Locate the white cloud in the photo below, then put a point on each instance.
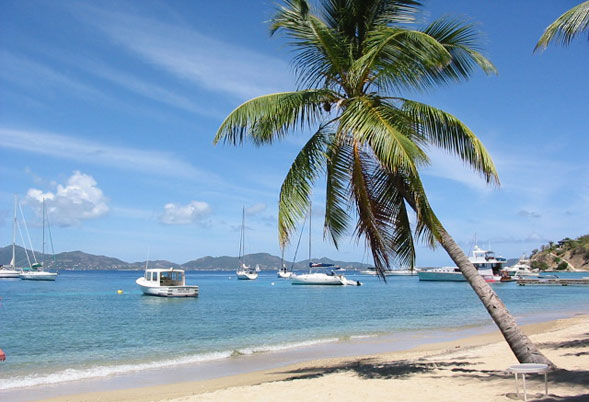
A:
(256, 208)
(193, 212)
(80, 199)
(72, 148)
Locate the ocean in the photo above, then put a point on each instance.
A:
(79, 327)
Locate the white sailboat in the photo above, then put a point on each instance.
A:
(11, 271)
(244, 272)
(283, 271)
(320, 278)
(37, 272)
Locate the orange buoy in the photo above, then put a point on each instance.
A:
(2, 355)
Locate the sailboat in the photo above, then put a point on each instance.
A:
(244, 272)
(37, 270)
(283, 271)
(11, 271)
(320, 278)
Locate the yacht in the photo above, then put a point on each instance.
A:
(521, 268)
(488, 265)
(169, 282)
(390, 272)
(284, 273)
(244, 272)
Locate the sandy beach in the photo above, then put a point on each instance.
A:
(467, 369)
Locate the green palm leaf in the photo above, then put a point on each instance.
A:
(566, 27)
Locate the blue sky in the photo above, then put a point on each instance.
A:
(108, 110)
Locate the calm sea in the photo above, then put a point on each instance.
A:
(79, 327)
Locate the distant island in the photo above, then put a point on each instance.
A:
(78, 260)
(564, 255)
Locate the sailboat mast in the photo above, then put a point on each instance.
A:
(310, 213)
(13, 261)
(43, 248)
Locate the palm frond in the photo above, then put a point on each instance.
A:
(382, 127)
(566, 27)
(445, 131)
(295, 193)
(269, 117)
(339, 160)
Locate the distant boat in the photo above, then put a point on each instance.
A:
(320, 278)
(390, 272)
(36, 271)
(520, 269)
(166, 283)
(11, 271)
(244, 272)
(487, 265)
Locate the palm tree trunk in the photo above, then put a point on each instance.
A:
(523, 348)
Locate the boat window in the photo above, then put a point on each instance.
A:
(154, 276)
(147, 275)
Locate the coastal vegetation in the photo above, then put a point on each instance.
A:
(355, 62)
(564, 255)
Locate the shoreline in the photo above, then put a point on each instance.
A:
(270, 367)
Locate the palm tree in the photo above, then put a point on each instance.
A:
(353, 59)
(566, 27)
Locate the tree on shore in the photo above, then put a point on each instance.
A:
(566, 27)
(354, 59)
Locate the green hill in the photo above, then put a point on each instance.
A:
(564, 255)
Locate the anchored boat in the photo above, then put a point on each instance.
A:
(169, 282)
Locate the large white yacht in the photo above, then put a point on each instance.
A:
(521, 268)
(169, 282)
(488, 266)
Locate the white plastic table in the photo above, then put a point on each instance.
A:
(529, 368)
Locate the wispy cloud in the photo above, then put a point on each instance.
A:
(193, 212)
(66, 147)
(190, 55)
(446, 166)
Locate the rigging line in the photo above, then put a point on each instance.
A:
(298, 244)
(28, 235)
(23, 242)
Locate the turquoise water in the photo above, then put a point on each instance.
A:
(79, 327)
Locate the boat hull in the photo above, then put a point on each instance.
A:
(322, 280)
(9, 274)
(441, 276)
(168, 291)
(38, 276)
(284, 275)
(247, 276)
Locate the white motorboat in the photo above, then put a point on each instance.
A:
(390, 272)
(488, 266)
(520, 269)
(244, 272)
(11, 271)
(169, 282)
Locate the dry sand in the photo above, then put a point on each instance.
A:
(469, 369)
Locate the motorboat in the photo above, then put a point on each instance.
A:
(390, 272)
(9, 272)
(169, 282)
(520, 269)
(246, 273)
(487, 264)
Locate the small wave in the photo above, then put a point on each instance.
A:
(69, 375)
(104, 371)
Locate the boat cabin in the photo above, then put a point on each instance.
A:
(165, 277)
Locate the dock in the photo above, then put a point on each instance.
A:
(554, 281)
